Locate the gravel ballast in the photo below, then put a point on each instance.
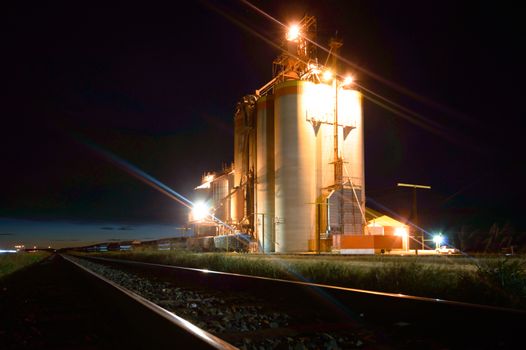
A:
(243, 320)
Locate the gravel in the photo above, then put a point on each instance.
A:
(244, 322)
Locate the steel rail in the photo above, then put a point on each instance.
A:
(390, 316)
(181, 323)
(323, 286)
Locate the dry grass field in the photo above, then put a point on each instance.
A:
(483, 279)
(11, 262)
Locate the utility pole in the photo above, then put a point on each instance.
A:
(335, 45)
(414, 211)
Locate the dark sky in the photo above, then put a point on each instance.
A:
(155, 83)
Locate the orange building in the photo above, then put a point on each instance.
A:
(382, 234)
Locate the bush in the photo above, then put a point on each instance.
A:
(504, 281)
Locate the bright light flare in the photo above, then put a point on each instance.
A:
(327, 75)
(401, 231)
(293, 33)
(438, 239)
(347, 81)
(200, 211)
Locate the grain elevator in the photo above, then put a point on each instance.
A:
(297, 178)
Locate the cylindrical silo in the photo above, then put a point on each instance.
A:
(353, 157)
(265, 173)
(237, 203)
(244, 159)
(353, 151)
(295, 175)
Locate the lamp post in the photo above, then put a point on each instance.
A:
(415, 214)
(338, 164)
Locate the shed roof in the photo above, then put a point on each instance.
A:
(385, 220)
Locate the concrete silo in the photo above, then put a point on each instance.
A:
(298, 174)
(295, 168)
(265, 180)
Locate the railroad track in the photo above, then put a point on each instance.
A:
(169, 329)
(257, 312)
(58, 304)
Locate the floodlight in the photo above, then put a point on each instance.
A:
(347, 81)
(327, 75)
(401, 231)
(200, 211)
(293, 32)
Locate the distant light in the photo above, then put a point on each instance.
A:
(347, 81)
(293, 32)
(327, 75)
(401, 231)
(438, 239)
(200, 211)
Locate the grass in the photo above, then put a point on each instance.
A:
(487, 280)
(10, 263)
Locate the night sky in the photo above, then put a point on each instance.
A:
(156, 83)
